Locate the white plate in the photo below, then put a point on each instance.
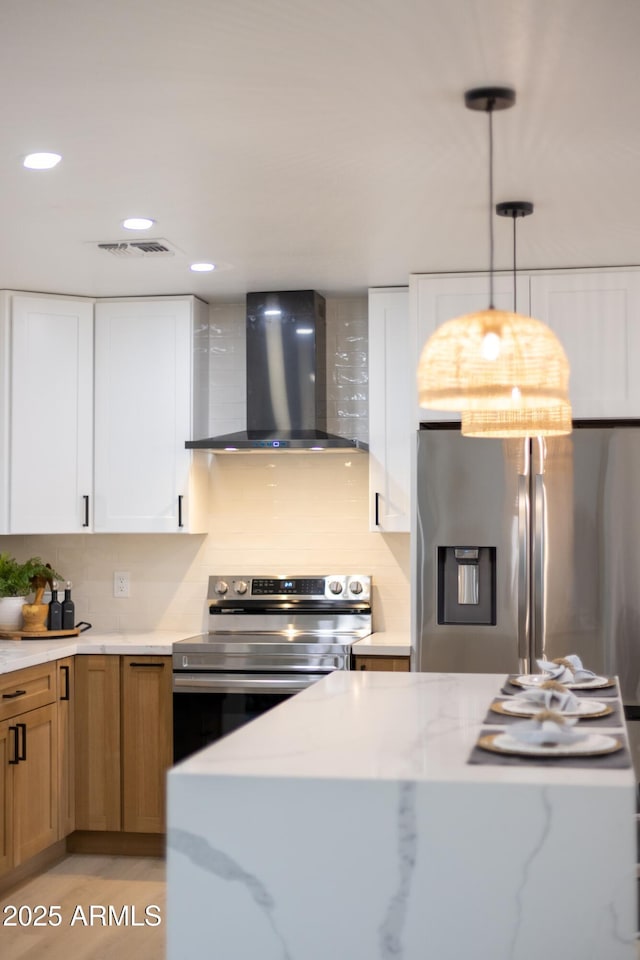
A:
(586, 708)
(535, 679)
(592, 745)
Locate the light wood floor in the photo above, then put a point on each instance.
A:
(81, 881)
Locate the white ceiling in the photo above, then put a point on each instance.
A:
(312, 143)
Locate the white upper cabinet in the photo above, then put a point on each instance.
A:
(596, 315)
(146, 380)
(433, 300)
(390, 404)
(47, 414)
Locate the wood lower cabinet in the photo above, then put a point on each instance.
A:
(29, 786)
(97, 743)
(393, 664)
(7, 755)
(147, 742)
(124, 742)
(66, 745)
(35, 783)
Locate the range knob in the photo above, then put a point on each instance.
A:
(241, 587)
(221, 587)
(355, 587)
(335, 586)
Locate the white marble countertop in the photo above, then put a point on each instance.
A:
(16, 654)
(357, 791)
(360, 725)
(383, 645)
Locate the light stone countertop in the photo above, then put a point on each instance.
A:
(383, 645)
(357, 792)
(16, 654)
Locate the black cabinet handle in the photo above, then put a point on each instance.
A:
(65, 695)
(86, 510)
(23, 727)
(180, 523)
(377, 508)
(16, 758)
(11, 696)
(134, 663)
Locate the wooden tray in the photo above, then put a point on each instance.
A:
(43, 635)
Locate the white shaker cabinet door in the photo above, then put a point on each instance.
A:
(596, 316)
(143, 397)
(435, 299)
(390, 405)
(50, 415)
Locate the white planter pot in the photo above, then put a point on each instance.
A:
(11, 613)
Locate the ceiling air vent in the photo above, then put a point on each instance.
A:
(138, 248)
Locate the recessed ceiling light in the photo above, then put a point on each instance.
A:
(41, 161)
(137, 223)
(202, 267)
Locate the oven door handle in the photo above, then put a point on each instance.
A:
(243, 683)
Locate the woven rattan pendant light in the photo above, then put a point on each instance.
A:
(492, 359)
(534, 422)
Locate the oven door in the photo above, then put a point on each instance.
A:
(208, 706)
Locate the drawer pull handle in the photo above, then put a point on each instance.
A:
(16, 758)
(134, 663)
(11, 696)
(23, 727)
(65, 695)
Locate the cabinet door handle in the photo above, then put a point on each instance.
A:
(377, 510)
(86, 510)
(16, 758)
(134, 663)
(180, 523)
(65, 695)
(23, 727)
(10, 696)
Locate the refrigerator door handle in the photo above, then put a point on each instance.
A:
(524, 593)
(539, 636)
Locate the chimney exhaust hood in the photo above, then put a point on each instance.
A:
(286, 378)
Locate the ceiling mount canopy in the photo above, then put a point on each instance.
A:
(537, 421)
(492, 360)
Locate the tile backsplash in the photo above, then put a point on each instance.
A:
(293, 513)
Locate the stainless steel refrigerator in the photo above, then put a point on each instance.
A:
(527, 549)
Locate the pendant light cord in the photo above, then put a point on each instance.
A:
(515, 295)
(490, 106)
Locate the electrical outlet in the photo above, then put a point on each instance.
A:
(121, 584)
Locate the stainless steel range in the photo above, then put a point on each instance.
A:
(269, 638)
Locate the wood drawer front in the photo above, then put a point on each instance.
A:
(393, 664)
(38, 684)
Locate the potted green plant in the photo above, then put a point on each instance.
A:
(17, 581)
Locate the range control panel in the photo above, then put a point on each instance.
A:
(339, 587)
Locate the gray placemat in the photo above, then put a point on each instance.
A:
(608, 761)
(599, 693)
(613, 719)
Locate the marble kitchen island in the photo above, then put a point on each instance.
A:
(347, 823)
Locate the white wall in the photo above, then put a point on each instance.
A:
(300, 514)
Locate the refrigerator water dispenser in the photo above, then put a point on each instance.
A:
(467, 585)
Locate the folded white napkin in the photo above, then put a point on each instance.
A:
(569, 670)
(561, 700)
(546, 727)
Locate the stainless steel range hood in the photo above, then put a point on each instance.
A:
(286, 378)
